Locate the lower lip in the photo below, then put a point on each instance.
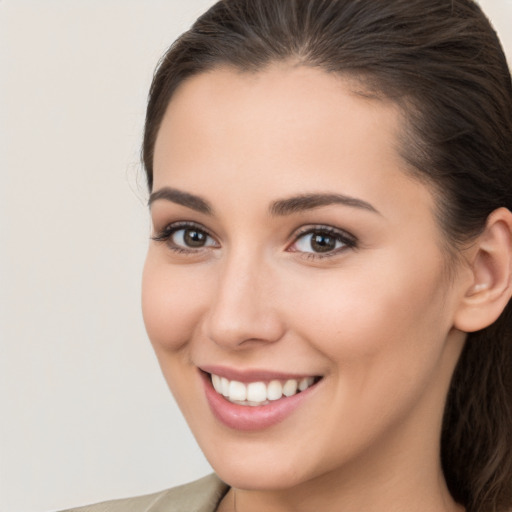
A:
(246, 417)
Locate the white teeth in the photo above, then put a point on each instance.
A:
(224, 386)
(305, 383)
(217, 384)
(256, 392)
(274, 390)
(290, 387)
(237, 391)
(259, 393)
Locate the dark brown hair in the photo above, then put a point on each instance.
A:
(441, 62)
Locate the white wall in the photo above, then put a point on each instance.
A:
(84, 412)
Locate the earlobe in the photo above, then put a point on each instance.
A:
(490, 286)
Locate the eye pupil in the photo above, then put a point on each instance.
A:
(194, 238)
(323, 243)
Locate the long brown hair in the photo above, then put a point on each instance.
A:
(441, 62)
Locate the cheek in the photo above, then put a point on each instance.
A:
(364, 314)
(172, 302)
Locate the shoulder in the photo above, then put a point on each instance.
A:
(200, 496)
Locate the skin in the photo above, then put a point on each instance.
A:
(376, 321)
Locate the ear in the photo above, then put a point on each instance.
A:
(490, 285)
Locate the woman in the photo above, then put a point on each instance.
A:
(328, 279)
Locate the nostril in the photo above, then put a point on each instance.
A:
(236, 329)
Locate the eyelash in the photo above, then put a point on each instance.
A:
(347, 240)
(169, 231)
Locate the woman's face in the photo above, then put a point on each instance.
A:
(292, 251)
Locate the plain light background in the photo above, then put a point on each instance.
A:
(84, 412)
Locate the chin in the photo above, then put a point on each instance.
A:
(259, 478)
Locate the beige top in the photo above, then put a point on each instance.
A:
(203, 495)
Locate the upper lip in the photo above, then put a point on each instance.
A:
(252, 375)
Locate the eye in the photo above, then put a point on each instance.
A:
(322, 241)
(191, 238)
(185, 237)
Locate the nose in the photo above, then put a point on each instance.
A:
(244, 309)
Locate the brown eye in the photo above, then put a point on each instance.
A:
(192, 238)
(319, 242)
(322, 241)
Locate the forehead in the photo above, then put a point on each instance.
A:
(298, 128)
(274, 100)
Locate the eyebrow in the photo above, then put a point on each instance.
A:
(305, 202)
(289, 206)
(183, 198)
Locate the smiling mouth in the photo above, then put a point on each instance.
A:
(259, 392)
